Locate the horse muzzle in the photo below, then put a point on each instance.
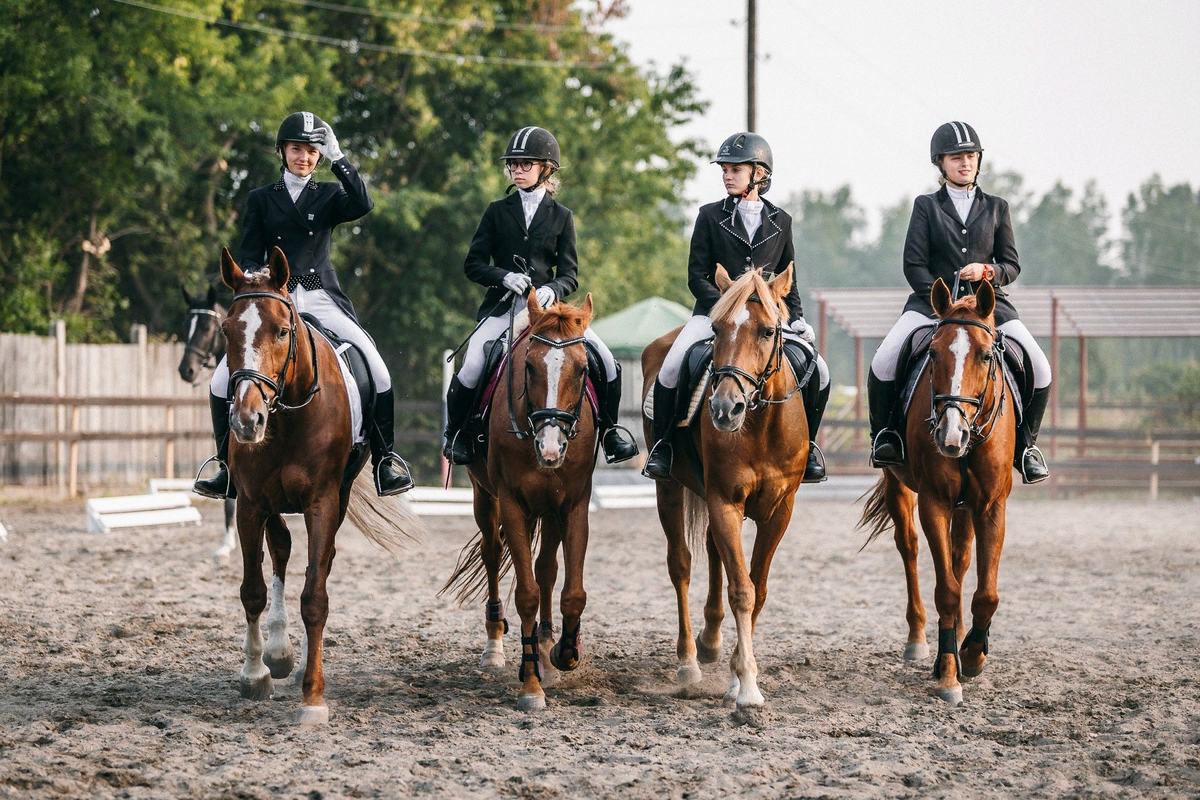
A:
(952, 436)
(728, 411)
(249, 425)
(187, 372)
(550, 444)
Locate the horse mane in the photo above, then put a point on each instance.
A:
(968, 306)
(561, 320)
(734, 298)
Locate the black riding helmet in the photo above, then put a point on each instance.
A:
(951, 138)
(748, 148)
(533, 144)
(300, 127)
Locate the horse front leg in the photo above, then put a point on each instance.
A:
(900, 501)
(962, 536)
(725, 526)
(708, 643)
(989, 536)
(546, 572)
(766, 541)
(278, 655)
(679, 567)
(255, 680)
(322, 518)
(491, 551)
(935, 519)
(221, 555)
(567, 653)
(518, 532)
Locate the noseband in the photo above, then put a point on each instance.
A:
(566, 421)
(758, 383)
(979, 432)
(277, 385)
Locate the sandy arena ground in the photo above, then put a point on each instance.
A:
(121, 656)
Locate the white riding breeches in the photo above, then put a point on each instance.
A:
(318, 303)
(493, 328)
(884, 363)
(699, 328)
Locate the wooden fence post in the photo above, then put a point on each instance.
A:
(74, 468)
(58, 330)
(1154, 455)
(169, 450)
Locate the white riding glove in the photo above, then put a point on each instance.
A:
(545, 296)
(803, 330)
(327, 143)
(518, 283)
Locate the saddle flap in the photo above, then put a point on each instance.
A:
(356, 364)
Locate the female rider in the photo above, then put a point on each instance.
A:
(741, 232)
(526, 239)
(957, 230)
(298, 215)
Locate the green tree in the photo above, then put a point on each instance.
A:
(1163, 244)
(1060, 244)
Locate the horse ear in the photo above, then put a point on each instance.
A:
(211, 299)
(279, 269)
(985, 299)
(722, 279)
(781, 284)
(588, 309)
(231, 273)
(187, 298)
(939, 296)
(535, 308)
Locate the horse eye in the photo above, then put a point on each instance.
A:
(766, 333)
(283, 334)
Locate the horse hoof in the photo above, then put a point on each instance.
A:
(312, 715)
(729, 700)
(281, 666)
(916, 651)
(970, 669)
(564, 658)
(688, 674)
(531, 702)
(492, 659)
(951, 696)
(257, 688)
(706, 654)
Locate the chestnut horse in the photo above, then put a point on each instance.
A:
(292, 452)
(541, 451)
(961, 432)
(752, 447)
(203, 350)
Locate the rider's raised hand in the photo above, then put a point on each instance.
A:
(545, 296)
(518, 283)
(326, 142)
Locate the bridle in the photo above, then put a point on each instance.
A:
(208, 358)
(277, 385)
(980, 433)
(754, 397)
(566, 421)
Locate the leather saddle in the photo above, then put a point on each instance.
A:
(352, 356)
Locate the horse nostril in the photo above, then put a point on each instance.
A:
(739, 408)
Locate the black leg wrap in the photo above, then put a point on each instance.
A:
(565, 653)
(546, 632)
(978, 636)
(495, 613)
(947, 643)
(527, 658)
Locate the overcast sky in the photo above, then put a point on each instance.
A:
(850, 92)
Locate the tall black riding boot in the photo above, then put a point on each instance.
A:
(457, 446)
(1029, 459)
(658, 462)
(887, 446)
(218, 487)
(814, 410)
(617, 441)
(391, 471)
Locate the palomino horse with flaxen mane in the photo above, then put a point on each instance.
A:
(535, 482)
(292, 452)
(752, 447)
(961, 430)
(203, 350)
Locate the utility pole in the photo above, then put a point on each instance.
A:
(751, 30)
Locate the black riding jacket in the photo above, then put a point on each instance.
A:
(303, 229)
(939, 244)
(548, 247)
(720, 238)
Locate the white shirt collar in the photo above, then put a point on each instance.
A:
(295, 184)
(530, 202)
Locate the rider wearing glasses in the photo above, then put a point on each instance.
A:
(526, 240)
(957, 231)
(298, 215)
(741, 232)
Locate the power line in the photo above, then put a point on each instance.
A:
(448, 21)
(353, 45)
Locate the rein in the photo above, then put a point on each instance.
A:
(754, 397)
(980, 433)
(279, 384)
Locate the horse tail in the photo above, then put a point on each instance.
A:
(875, 517)
(695, 521)
(387, 521)
(469, 581)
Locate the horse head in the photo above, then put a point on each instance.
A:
(556, 369)
(964, 364)
(261, 335)
(748, 325)
(205, 341)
